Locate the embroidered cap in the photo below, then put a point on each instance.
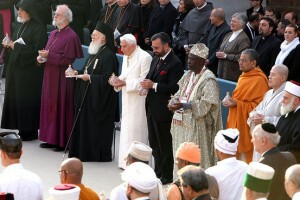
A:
(140, 176)
(200, 50)
(140, 151)
(259, 177)
(189, 151)
(293, 87)
(227, 141)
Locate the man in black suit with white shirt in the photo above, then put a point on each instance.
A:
(165, 71)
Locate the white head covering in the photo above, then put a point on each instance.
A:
(140, 176)
(65, 192)
(293, 88)
(227, 141)
(140, 151)
(259, 177)
(200, 50)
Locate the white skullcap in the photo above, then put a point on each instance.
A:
(140, 176)
(259, 177)
(293, 88)
(227, 141)
(65, 192)
(200, 50)
(140, 151)
(128, 37)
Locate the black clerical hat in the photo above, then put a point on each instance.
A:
(10, 142)
(108, 32)
(30, 6)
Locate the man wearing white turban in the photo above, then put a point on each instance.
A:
(229, 171)
(140, 179)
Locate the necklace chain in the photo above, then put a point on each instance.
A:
(19, 36)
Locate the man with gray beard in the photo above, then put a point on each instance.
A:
(22, 99)
(95, 100)
(288, 125)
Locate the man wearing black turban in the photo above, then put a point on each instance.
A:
(22, 99)
(93, 133)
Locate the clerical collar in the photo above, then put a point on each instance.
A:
(267, 37)
(164, 57)
(199, 8)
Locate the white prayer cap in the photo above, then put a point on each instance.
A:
(129, 38)
(293, 87)
(140, 151)
(259, 177)
(140, 176)
(200, 50)
(227, 141)
(65, 192)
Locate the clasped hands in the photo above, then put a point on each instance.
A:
(8, 44)
(116, 82)
(175, 106)
(230, 102)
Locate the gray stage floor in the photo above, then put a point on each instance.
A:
(46, 163)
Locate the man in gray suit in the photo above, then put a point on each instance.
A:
(214, 37)
(265, 139)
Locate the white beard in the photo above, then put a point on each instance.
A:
(57, 23)
(285, 109)
(94, 47)
(21, 20)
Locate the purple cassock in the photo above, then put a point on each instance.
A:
(57, 106)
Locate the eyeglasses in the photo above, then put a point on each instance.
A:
(64, 171)
(243, 60)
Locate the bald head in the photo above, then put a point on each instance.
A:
(219, 12)
(72, 171)
(282, 70)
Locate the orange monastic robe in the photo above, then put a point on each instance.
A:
(248, 93)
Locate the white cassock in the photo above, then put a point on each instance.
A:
(134, 123)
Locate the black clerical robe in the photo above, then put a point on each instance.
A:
(289, 130)
(93, 133)
(21, 108)
(128, 20)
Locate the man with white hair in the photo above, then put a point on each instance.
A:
(24, 79)
(292, 182)
(57, 106)
(229, 171)
(140, 179)
(135, 67)
(288, 125)
(265, 139)
(269, 109)
(257, 181)
(93, 134)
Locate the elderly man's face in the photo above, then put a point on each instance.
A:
(23, 16)
(235, 24)
(289, 103)
(256, 140)
(245, 63)
(59, 17)
(275, 78)
(127, 48)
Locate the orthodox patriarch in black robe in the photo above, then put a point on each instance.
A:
(21, 109)
(93, 133)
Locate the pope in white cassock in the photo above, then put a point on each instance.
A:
(135, 67)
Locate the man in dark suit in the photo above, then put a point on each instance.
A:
(255, 6)
(213, 39)
(162, 19)
(265, 139)
(251, 28)
(267, 45)
(165, 71)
